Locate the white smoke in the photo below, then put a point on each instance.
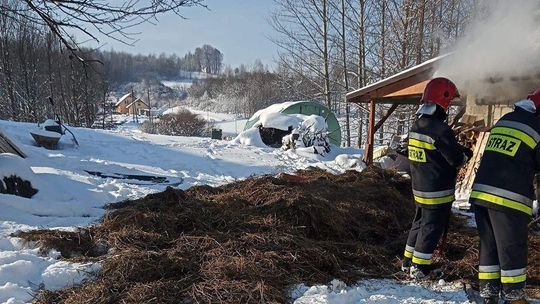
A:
(498, 59)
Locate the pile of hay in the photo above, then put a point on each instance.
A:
(247, 242)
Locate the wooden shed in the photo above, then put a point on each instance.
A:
(498, 93)
(406, 88)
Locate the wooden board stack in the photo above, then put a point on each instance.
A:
(472, 133)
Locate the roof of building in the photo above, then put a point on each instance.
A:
(404, 87)
(137, 100)
(122, 99)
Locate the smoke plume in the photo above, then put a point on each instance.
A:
(498, 59)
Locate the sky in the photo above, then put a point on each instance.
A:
(238, 28)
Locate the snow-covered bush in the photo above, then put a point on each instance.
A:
(290, 131)
(181, 123)
(148, 127)
(311, 132)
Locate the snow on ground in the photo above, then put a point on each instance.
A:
(70, 197)
(380, 291)
(182, 84)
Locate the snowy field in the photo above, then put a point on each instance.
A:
(178, 84)
(70, 197)
(380, 291)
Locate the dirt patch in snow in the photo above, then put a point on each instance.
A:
(250, 241)
(17, 186)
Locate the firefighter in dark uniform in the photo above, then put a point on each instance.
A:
(502, 197)
(435, 157)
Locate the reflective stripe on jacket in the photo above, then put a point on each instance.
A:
(435, 156)
(504, 180)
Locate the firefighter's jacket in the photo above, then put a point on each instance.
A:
(504, 180)
(435, 158)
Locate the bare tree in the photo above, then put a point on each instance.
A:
(90, 17)
(345, 73)
(304, 42)
(366, 41)
(325, 54)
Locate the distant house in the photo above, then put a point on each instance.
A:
(138, 107)
(121, 105)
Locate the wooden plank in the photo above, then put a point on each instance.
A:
(470, 171)
(396, 82)
(8, 146)
(402, 100)
(385, 117)
(479, 152)
(396, 86)
(417, 89)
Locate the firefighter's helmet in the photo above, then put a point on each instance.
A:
(535, 97)
(441, 91)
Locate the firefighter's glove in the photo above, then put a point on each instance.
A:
(467, 155)
(468, 152)
(402, 149)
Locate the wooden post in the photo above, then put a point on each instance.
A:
(368, 156)
(490, 116)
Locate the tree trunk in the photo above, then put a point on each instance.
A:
(383, 39)
(345, 74)
(326, 56)
(361, 66)
(420, 41)
(405, 34)
(382, 59)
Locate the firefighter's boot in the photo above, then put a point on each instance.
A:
(491, 300)
(516, 296)
(520, 301)
(490, 291)
(425, 272)
(406, 265)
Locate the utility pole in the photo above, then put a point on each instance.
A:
(135, 107)
(104, 107)
(149, 106)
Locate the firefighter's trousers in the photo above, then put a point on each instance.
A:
(503, 252)
(427, 227)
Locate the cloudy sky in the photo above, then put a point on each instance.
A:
(239, 28)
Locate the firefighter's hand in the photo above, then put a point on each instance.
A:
(402, 149)
(468, 152)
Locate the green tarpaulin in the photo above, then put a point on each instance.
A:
(304, 108)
